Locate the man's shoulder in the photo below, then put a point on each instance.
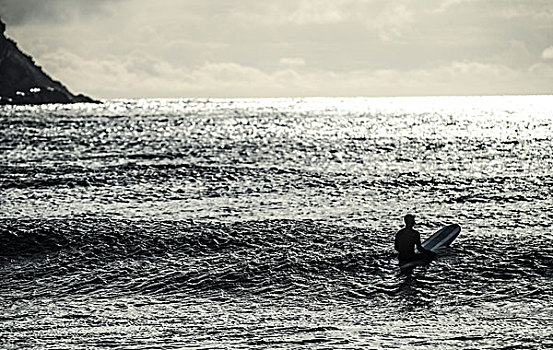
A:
(401, 232)
(407, 231)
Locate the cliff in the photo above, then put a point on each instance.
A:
(23, 82)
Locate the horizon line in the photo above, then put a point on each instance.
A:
(320, 97)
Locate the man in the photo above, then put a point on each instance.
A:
(407, 239)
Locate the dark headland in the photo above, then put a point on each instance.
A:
(23, 82)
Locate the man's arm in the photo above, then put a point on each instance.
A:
(396, 245)
(419, 244)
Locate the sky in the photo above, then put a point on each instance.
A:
(280, 48)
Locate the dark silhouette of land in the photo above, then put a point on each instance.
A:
(23, 82)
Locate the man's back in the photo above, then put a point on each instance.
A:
(405, 242)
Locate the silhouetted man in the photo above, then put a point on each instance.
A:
(407, 239)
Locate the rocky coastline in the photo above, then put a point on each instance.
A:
(23, 82)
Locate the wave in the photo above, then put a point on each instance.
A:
(272, 259)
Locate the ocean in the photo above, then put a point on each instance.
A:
(269, 223)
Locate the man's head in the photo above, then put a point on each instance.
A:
(409, 220)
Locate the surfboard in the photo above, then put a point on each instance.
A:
(441, 239)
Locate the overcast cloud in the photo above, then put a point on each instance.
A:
(191, 48)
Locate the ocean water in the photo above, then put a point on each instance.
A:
(269, 223)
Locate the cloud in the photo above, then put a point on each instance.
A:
(292, 62)
(446, 5)
(520, 9)
(143, 75)
(21, 12)
(395, 20)
(318, 12)
(547, 54)
(293, 12)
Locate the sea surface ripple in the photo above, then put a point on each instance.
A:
(268, 223)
